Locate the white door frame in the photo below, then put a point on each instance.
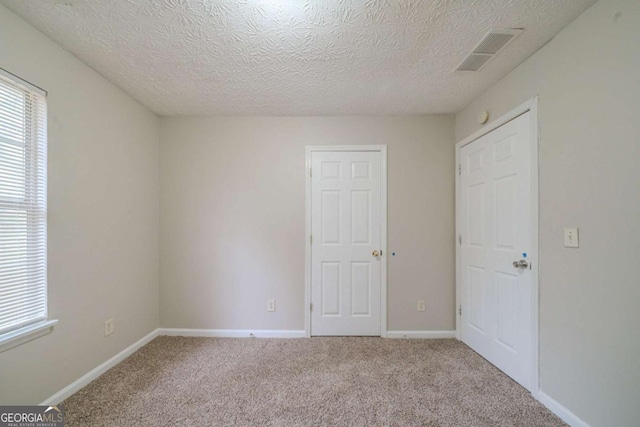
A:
(382, 149)
(532, 107)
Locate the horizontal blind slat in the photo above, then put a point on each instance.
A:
(18, 284)
(17, 301)
(35, 305)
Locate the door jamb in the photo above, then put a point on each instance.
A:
(383, 225)
(529, 106)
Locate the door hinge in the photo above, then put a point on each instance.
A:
(460, 310)
(311, 239)
(459, 169)
(310, 306)
(310, 173)
(459, 239)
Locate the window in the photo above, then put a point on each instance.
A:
(23, 211)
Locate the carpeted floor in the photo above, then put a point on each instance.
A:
(176, 381)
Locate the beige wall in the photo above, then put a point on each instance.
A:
(588, 81)
(103, 218)
(233, 218)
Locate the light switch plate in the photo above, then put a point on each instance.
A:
(571, 239)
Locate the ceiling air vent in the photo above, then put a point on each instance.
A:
(492, 43)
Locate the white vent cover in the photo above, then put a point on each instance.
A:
(492, 43)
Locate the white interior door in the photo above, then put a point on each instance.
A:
(346, 234)
(496, 198)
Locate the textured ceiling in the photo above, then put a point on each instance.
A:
(295, 57)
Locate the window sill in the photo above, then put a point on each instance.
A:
(20, 336)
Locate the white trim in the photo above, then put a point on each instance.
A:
(458, 219)
(532, 106)
(25, 334)
(20, 82)
(535, 246)
(383, 232)
(421, 334)
(356, 147)
(231, 333)
(307, 243)
(383, 243)
(99, 370)
(505, 118)
(565, 414)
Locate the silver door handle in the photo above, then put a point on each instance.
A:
(520, 264)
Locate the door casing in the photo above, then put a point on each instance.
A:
(383, 232)
(532, 107)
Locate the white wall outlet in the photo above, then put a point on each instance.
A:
(571, 239)
(108, 327)
(271, 305)
(421, 305)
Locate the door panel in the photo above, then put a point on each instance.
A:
(476, 297)
(495, 185)
(330, 221)
(360, 288)
(330, 284)
(346, 215)
(360, 211)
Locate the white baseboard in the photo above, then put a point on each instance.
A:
(421, 334)
(565, 414)
(99, 370)
(231, 333)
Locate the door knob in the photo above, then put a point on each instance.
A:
(520, 264)
(376, 253)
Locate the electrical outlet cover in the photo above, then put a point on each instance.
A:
(108, 327)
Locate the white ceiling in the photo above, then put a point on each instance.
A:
(295, 57)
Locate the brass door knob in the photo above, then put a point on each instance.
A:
(376, 253)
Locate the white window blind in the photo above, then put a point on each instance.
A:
(23, 205)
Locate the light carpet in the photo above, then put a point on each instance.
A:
(354, 381)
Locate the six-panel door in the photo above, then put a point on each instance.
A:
(495, 225)
(346, 230)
